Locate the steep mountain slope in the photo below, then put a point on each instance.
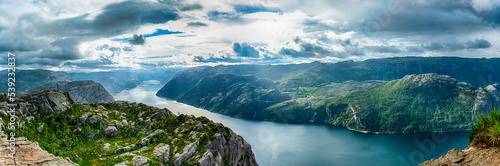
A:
(80, 91)
(124, 133)
(427, 102)
(233, 95)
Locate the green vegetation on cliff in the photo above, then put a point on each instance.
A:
(486, 133)
(101, 133)
(416, 103)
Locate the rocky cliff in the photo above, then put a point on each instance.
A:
(470, 156)
(80, 91)
(120, 133)
(28, 153)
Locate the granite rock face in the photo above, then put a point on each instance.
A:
(469, 156)
(80, 91)
(235, 150)
(48, 102)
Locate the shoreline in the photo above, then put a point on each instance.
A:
(329, 125)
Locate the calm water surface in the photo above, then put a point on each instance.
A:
(277, 144)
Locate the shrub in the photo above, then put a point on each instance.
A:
(486, 132)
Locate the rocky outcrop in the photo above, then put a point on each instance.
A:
(48, 102)
(28, 153)
(469, 156)
(224, 147)
(230, 147)
(80, 91)
(119, 133)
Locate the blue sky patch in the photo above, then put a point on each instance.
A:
(158, 32)
(255, 9)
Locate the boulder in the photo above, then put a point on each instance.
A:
(111, 131)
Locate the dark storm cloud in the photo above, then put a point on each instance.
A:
(116, 19)
(312, 50)
(245, 50)
(308, 50)
(197, 24)
(190, 7)
(384, 49)
(356, 51)
(431, 17)
(454, 46)
(65, 35)
(13, 41)
(415, 49)
(228, 17)
(478, 44)
(434, 47)
(471, 45)
(311, 25)
(137, 40)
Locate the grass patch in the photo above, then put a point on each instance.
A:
(486, 132)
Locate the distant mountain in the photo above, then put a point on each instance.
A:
(478, 72)
(113, 81)
(27, 79)
(116, 133)
(80, 91)
(233, 95)
(187, 79)
(353, 88)
(119, 80)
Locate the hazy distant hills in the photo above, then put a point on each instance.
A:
(36, 80)
(119, 80)
(113, 81)
(352, 94)
(27, 79)
(478, 72)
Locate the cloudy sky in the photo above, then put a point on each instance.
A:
(141, 34)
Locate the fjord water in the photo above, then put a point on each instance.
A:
(279, 144)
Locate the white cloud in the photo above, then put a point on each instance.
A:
(335, 26)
